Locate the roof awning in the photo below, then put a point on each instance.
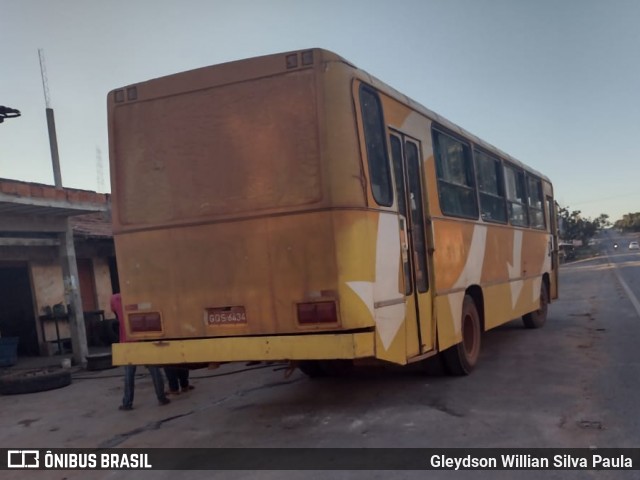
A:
(10, 205)
(22, 198)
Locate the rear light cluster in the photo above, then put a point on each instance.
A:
(317, 312)
(145, 322)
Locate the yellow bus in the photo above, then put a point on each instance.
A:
(293, 207)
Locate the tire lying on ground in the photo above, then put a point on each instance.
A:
(99, 361)
(31, 381)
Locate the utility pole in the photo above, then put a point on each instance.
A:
(67, 250)
(51, 123)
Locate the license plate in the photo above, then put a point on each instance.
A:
(225, 316)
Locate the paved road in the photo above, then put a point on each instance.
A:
(573, 383)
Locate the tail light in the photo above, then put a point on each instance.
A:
(145, 322)
(317, 312)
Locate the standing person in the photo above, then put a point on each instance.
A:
(130, 370)
(178, 379)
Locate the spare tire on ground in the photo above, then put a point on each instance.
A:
(31, 381)
(99, 361)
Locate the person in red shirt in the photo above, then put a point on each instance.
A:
(130, 370)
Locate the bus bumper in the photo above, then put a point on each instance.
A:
(232, 349)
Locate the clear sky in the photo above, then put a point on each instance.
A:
(555, 83)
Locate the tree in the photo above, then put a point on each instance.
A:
(629, 222)
(573, 226)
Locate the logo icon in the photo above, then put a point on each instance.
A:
(23, 459)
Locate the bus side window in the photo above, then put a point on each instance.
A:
(375, 138)
(516, 196)
(456, 183)
(536, 211)
(491, 187)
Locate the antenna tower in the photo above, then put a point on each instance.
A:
(43, 74)
(51, 124)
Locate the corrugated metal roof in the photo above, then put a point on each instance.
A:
(94, 225)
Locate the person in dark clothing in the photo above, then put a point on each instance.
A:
(178, 379)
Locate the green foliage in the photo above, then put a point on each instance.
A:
(629, 222)
(573, 226)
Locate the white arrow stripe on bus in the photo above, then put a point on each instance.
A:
(471, 274)
(388, 319)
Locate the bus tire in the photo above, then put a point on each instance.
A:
(312, 368)
(325, 368)
(32, 381)
(538, 318)
(461, 358)
(337, 368)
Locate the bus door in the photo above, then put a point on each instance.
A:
(553, 247)
(411, 197)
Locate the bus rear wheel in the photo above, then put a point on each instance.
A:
(463, 357)
(538, 318)
(312, 368)
(325, 368)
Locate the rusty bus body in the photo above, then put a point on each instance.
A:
(293, 207)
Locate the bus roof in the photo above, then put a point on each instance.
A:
(392, 92)
(267, 65)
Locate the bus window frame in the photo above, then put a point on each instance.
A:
(372, 164)
(500, 182)
(469, 171)
(531, 177)
(520, 173)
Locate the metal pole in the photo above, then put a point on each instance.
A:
(51, 123)
(53, 145)
(72, 296)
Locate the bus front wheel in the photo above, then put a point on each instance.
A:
(463, 357)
